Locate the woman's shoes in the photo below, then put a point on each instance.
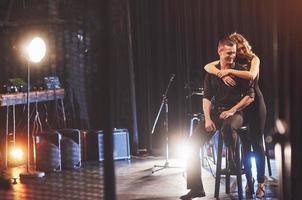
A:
(261, 190)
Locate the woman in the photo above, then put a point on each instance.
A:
(255, 113)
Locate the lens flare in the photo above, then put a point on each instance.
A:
(17, 154)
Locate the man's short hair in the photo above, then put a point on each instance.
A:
(226, 41)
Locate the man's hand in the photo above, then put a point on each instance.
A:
(229, 81)
(210, 126)
(226, 114)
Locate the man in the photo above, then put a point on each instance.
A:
(225, 116)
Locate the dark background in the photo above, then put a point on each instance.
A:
(168, 37)
(93, 45)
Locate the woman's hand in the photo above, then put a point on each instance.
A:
(223, 73)
(229, 81)
(226, 114)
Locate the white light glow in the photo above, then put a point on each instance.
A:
(36, 50)
(287, 157)
(278, 155)
(183, 150)
(253, 165)
(281, 126)
(17, 154)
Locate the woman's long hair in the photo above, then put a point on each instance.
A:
(239, 39)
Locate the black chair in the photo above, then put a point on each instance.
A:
(267, 157)
(238, 171)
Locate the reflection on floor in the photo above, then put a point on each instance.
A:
(134, 180)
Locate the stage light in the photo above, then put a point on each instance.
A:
(16, 154)
(36, 50)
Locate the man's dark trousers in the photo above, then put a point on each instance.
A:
(228, 129)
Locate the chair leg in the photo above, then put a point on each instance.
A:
(238, 170)
(268, 164)
(227, 176)
(218, 166)
(239, 183)
(213, 154)
(267, 157)
(202, 156)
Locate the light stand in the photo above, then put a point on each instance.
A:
(164, 103)
(34, 57)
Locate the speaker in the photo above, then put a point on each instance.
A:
(48, 151)
(121, 148)
(121, 144)
(84, 145)
(70, 148)
(91, 145)
(100, 139)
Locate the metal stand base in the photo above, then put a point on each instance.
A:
(32, 174)
(161, 167)
(164, 102)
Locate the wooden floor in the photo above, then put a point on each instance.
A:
(134, 180)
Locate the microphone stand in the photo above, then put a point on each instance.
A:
(164, 102)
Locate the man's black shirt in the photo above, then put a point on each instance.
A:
(226, 96)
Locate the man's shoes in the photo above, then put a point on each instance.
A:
(193, 194)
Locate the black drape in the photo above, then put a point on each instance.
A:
(288, 97)
(181, 37)
(168, 37)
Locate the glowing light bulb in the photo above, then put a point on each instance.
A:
(36, 50)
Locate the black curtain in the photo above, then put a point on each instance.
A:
(168, 37)
(288, 97)
(181, 37)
